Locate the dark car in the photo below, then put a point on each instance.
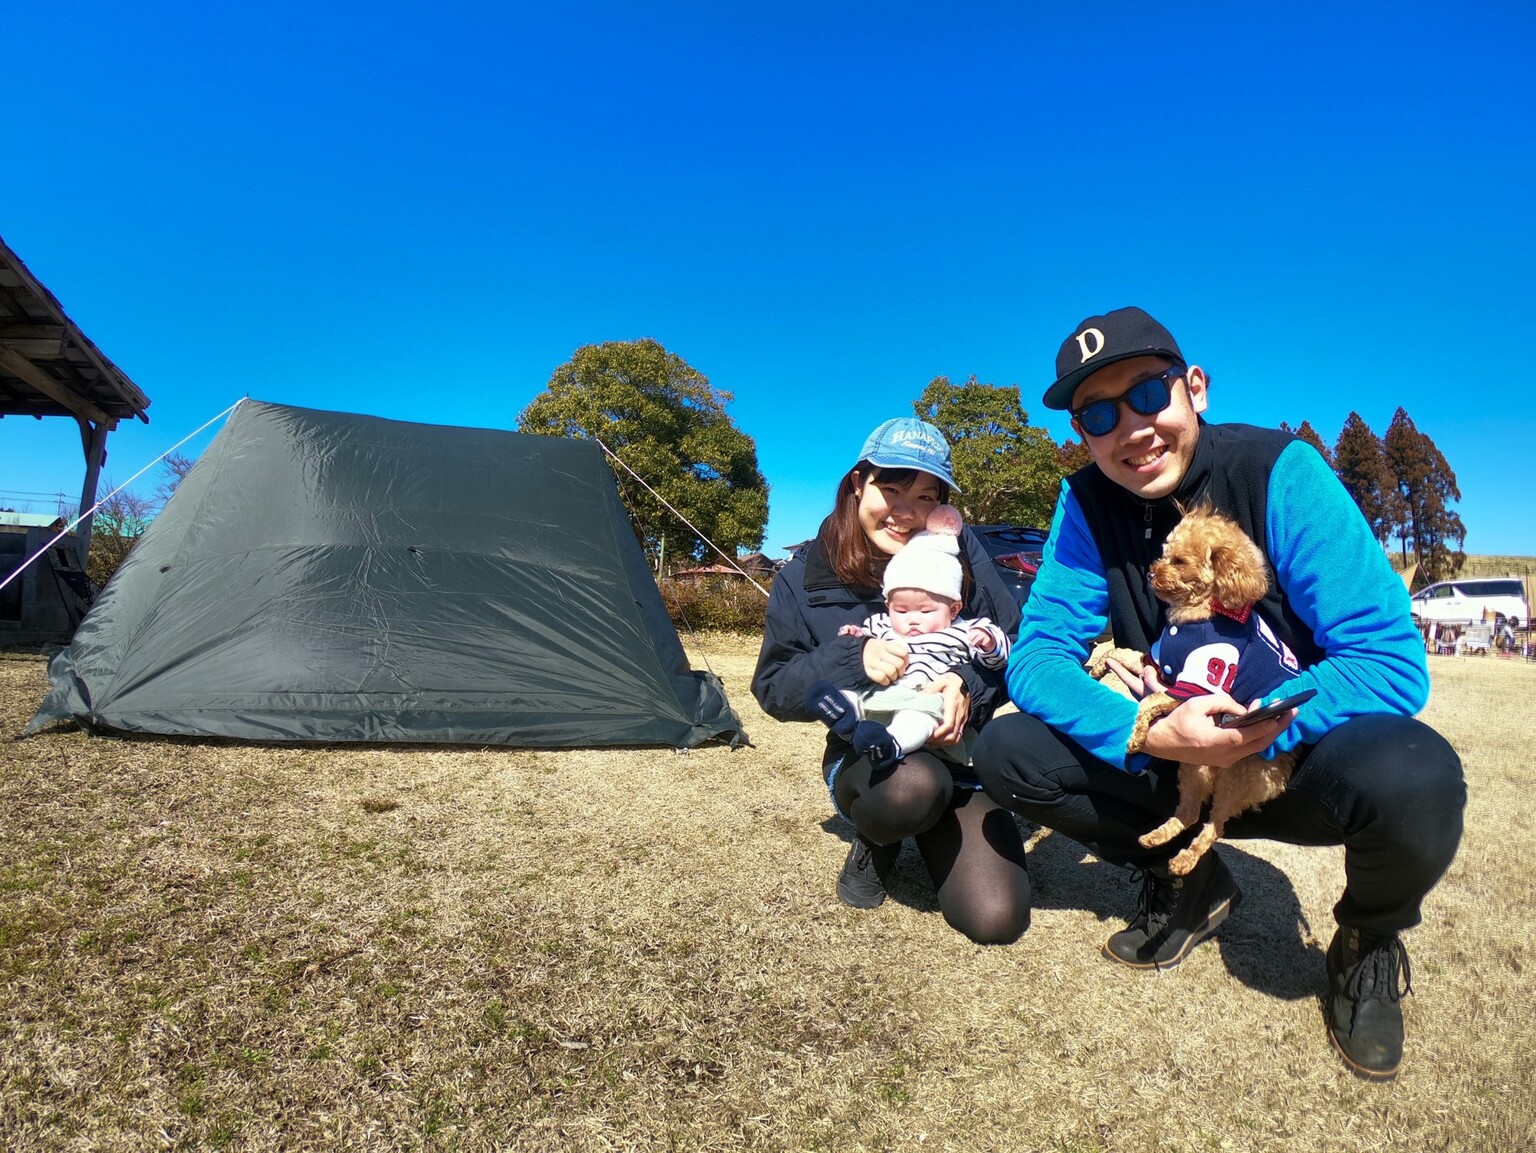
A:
(1015, 550)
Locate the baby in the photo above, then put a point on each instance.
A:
(922, 598)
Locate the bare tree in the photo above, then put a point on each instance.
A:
(176, 468)
(116, 528)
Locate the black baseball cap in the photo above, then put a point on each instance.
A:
(1101, 340)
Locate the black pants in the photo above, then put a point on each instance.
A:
(971, 848)
(1389, 789)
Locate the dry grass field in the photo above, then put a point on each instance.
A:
(212, 946)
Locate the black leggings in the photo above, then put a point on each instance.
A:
(1389, 789)
(971, 848)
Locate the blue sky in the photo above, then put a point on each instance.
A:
(419, 211)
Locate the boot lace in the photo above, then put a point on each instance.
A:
(1383, 974)
(1158, 897)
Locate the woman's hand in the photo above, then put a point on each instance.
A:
(957, 709)
(884, 661)
(1139, 685)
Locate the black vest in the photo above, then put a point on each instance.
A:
(1231, 469)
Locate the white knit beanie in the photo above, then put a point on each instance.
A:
(930, 561)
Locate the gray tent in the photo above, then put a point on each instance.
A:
(327, 577)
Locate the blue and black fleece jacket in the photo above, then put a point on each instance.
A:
(1333, 599)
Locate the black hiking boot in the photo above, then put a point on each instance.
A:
(1367, 977)
(861, 883)
(1175, 914)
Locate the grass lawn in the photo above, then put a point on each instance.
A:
(208, 945)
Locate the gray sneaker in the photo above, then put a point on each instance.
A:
(1175, 914)
(861, 882)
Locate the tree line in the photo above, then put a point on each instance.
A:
(664, 420)
(1404, 486)
(692, 476)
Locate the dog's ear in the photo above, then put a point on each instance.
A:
(1240, 578)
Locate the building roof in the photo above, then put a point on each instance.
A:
(30, 519)
(753, 564)
(48, 367)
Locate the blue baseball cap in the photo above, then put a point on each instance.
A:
(906, 442)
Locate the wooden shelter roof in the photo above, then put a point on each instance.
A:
(48, 367)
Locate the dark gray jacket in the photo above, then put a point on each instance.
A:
(809, 604)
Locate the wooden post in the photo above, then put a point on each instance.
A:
(93, 438)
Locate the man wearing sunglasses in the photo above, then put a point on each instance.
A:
(1368, 776)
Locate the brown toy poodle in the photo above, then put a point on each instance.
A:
(1207, 561)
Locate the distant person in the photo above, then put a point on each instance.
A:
(972, 849)
(1368, 776)
(1506, 640)
(922, 588)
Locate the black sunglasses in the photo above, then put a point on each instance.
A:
(1146, 397)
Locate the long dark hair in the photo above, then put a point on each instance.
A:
(855, 561)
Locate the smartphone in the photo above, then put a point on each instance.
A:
(1266, 713)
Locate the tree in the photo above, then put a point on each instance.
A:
(1309, 434)
(1007, 470)
(1073, 455)
(1360, 460)
(665, 421)
(1428, 486)
(176, 468)
(115, 529)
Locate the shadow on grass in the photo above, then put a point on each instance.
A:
(1268, 944)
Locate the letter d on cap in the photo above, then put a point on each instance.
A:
(1082, 343)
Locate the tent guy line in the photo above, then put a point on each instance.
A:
(730, 560)
(70, 527)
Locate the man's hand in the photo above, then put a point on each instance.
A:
(1190, 733)
(957, 709)
(884, 661)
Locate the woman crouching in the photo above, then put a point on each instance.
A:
(970, 847)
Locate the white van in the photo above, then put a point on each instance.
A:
(1497, 599)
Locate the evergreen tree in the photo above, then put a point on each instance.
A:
(1309, 434)
(666, 422)
(1008, 471)
(1360, 460)
(1428, 487)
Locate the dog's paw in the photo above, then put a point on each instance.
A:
(1149, 710)
(1098, 662)
(1161, 835)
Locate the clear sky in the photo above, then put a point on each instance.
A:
(418, 211)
